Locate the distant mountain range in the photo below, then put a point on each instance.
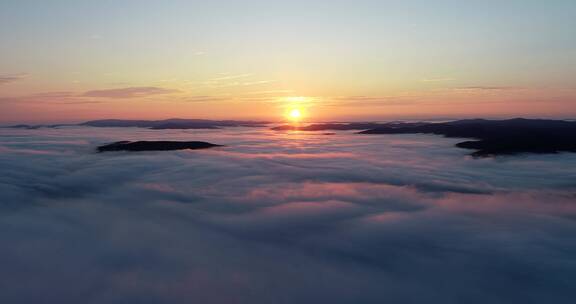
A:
(175, 123)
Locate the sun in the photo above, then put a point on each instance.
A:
(295, 114)
(296, 108)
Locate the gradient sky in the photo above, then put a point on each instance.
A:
(68, 60)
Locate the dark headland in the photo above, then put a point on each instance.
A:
(491, 137)
(155, 146)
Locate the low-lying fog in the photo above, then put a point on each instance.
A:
(277, 217)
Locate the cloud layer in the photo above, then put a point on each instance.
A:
(280, 218)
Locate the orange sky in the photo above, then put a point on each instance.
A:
(363, 60)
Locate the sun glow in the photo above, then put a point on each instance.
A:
(296, 108)
(295, 114)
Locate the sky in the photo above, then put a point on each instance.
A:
(65, 61)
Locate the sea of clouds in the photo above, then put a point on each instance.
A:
(277, 217)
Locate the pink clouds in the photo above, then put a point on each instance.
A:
(285, 155)
(311, 190)
(306, 208)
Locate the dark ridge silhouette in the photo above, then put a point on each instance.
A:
(174, 123)
(497, 137)
(155, 146)
(34, 127)
(29, 127)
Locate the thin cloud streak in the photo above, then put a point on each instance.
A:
(131, 92)
(11, 78)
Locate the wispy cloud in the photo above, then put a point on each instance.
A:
(93, 96)
(132, 92)
(10, 78)
(230, 77)
(373, 101)
(486, 88)
(202, 98)
(438, 79)
(45, 97)
(234, 80)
